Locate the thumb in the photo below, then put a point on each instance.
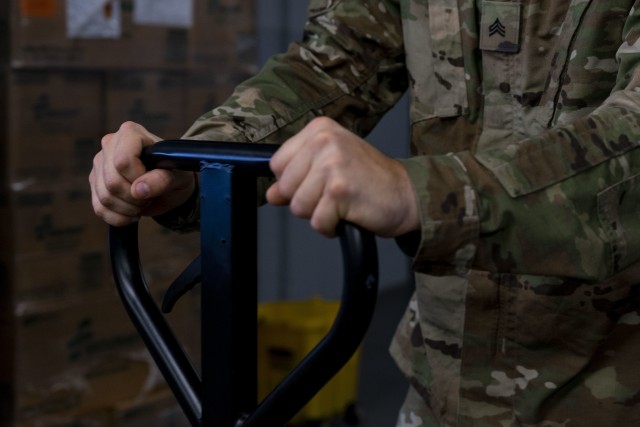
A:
(152, 184)
(140, 190)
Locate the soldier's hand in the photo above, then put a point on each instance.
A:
(121, 188)
(327, 174)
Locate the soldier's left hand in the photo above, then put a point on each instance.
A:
(326, 173)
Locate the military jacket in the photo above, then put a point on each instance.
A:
(525, 127)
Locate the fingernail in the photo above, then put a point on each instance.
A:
(142, 189)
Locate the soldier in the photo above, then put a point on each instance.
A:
(520, 204)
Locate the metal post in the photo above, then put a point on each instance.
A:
(229, 294)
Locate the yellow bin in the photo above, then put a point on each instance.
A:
(287, 332)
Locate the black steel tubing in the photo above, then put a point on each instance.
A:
(191, 155)
(324, 361)
(360, 288)
(156, 333)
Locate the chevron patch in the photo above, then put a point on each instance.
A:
(497, 28)
(500, 26)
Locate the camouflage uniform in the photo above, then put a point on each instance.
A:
(525, 121)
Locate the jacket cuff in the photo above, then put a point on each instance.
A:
(448, 211)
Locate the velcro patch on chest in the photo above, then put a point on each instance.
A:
(500, 26)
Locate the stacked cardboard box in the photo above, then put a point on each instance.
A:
(71, 71)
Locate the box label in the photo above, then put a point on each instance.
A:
(94, 19)
(170, 13)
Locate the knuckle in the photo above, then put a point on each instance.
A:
(98, 209)
(325, 129)
(337, 189)
(111, 184)
(328, 134)
(121, 163)
(97, 161)
(105, 201)
(128, 126)
(106, 140)
(322, 122)
(321, 139)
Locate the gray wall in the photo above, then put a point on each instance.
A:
(296, 262)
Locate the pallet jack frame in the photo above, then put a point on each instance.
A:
(224, 393)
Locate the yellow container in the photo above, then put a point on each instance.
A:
(287, 332)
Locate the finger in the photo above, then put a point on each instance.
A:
(283, 156)
(275, 197)
(128, 144)
(292, 162)
(308, 194)
(325, 217)
(292, 147)
(295, 173)
(109, 185)
(110, 216)
(111, 209)
(113, 197)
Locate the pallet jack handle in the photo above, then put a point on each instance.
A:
(225, 392)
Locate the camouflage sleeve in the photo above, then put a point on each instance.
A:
(348, 66)
(563, 203)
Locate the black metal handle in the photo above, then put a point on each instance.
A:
(192, 154)
(358, 301)
(323, 362)
(151, 324)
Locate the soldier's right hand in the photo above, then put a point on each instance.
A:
(122, 190)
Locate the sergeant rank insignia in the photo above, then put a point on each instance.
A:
(500, 26)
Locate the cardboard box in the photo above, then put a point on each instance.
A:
(63, 276)
(92, 352)
(159, 409)
(68, 348)
(55, 221)
(156, 100)
(51, 366)
(219, 24)
(55, 122)
(97, 34)
(52, 126)
(129, 34)
(70, 356)
(79, 356)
